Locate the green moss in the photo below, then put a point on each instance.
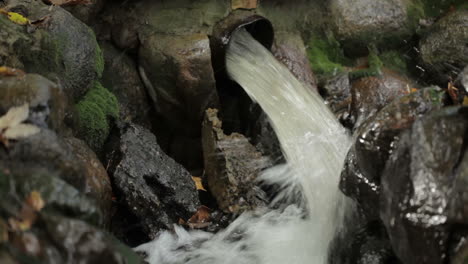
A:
(433, 8)
(94, 112)
(99, 58)
(393, 60)
(325, 55)
(374, 69)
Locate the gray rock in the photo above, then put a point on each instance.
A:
(152, 186)
(232, 165)
(360, 22)
(122, 79)
(375, 141)
(87, 13)
(337, 94)
(423, 193)
(443, 50)
(70, 50)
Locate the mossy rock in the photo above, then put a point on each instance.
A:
(94, 114)
(326, 56)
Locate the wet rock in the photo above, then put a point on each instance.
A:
(122, 79)
(361, 22)
(370, 94)
(375, 141)
(443, 50)
(337, 94)
(462, 80)
(70, 51)
(97, 181)
(290, 50)
(46, 100)
(423, 196)
(232, 165)
(152, 186)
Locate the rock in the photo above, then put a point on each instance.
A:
(375, 141)
(46, 100)
(122, 79)
(184, 85)
(290, 50)
(337, 94)
(361, 22)
(423, 193)
(69, 48)
(152, 186)
(443, 50)
(370, 94)
(87, 13)
(98, 184)
(462, 81)
(232, 165)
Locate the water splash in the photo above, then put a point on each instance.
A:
(314, 145)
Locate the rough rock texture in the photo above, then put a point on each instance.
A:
(98, 183)
(370, 94)
(86, 13)
(337, 94)
(360, 22)
(290, 50)
(375, 141)
(71, 51)
(152, 186)
(121, 78)
(232, 165)
(423, 196)
(444, 50)
(46, 100)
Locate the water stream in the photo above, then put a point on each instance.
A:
(314, 144)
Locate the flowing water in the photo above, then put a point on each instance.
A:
(314, 144)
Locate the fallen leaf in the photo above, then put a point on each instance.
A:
(11, 127)
(201, 218)
(3, 231)
(21, 131)
(465, 100)
(17, 18)
(7, 71)
(35, 201)
(453, 92)
(198, 183)
(14, 116)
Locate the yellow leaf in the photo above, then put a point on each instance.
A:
(35, 201)
(14, 116)
(7, 71)
(198, 183)
(18, 18)
(465, 100)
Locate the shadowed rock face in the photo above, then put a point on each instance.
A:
(423, 196)
(148, 183)
(232, 165)
(375, 141)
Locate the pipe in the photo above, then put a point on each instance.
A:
(259, 27)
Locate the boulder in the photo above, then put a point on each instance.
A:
(375, 141)
(337, 94)
(152, 186)
(423, 189)
(232, 166)
(443, 49)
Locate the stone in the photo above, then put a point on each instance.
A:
(290, 50)
(121, 78)
(232, 166)
(337, 94)
(443, 49)
(149, 184)
(86, 13)
(372, 93)
(358, 23)
(97, 183)
(376, 140)
(423, 189)
(46, 100)
(68, 50)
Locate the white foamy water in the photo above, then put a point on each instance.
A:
(314, 144)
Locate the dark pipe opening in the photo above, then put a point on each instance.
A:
(238, 112)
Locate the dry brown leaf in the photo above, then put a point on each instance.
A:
(28, 214)
(7, 71)
(35, 201)
(198, 183)
(465, 100)
(201, 218)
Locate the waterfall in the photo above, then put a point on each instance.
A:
(314, 144)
